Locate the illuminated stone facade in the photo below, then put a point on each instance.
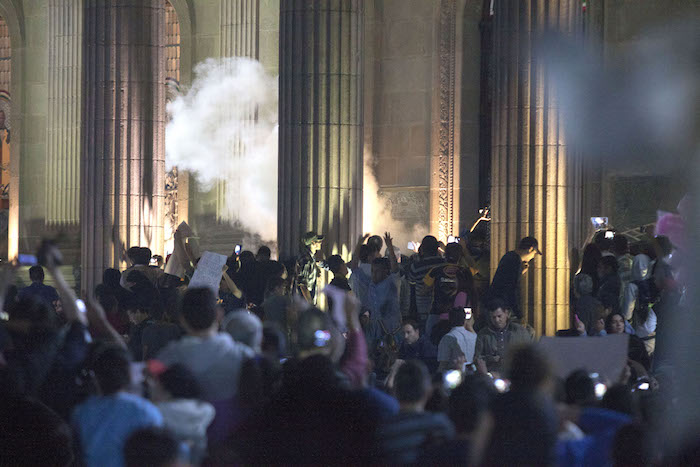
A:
(410, 73)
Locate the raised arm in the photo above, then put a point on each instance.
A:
(392, 254)
(231, 284)
(355, 260)
(99, 323)
(65, 293)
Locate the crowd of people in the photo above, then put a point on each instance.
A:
(401, 359)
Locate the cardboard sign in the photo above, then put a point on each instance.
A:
(605, 355)
(208, 272)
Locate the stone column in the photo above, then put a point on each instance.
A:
(531, 176)
(239, 38)
(65, 101)
(123, 162)
(320, 133)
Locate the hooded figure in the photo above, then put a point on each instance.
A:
(638, 300)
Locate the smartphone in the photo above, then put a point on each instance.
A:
(27, 260)
(467, 313)
(80, 305)
(452, 379)
(411, 246)
(238, 249)
(599, 223)
(321, 337)
(609, 234)
(500, 385)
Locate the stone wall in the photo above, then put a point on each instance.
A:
(400, 48)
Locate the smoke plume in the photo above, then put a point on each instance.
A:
(224, 129)
(378, 216)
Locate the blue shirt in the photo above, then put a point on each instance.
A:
(384, 310)
(104, 423)
(46, 293)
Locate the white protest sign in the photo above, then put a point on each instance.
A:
(605, 355)
(208, 272)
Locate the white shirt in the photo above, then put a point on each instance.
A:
(456, 342)
(215, 362)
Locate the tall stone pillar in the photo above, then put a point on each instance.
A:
(320, 132)
(123, 161)
(239, 38)
(65, 100)
(531, 175)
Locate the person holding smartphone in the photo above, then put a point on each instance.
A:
(513, 265)
(460, 342)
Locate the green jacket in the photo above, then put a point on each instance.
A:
(492, 346)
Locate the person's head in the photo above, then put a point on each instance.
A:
(33, 434)
(246, 258)
(641, 269)
(312, 241)
(620, 245)
(244, 327)
(457, 317)
(411, 332)
(111, 278)
(337, 266)
(602, 242)
(313, 331)
(376, 242)
(580, 388)
(412, 384)
(263, 254)
(498, 313)
(469, 402)
(528, 248)
(607, 266)
(139, 256)
(199, 311)
(381, 268)
(590, 259)
(111, 367)
(428, 246)
(453, 253)
(615, 323)
(176, 382)
(151, 447)
(275, 286)
(36, 274)
(583, 285)
(527, 368)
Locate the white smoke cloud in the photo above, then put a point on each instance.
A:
(224, 129)
(377, 215)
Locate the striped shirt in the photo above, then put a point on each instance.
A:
(415, 276)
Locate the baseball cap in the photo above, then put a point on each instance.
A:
(310, 238)
(530, 242)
